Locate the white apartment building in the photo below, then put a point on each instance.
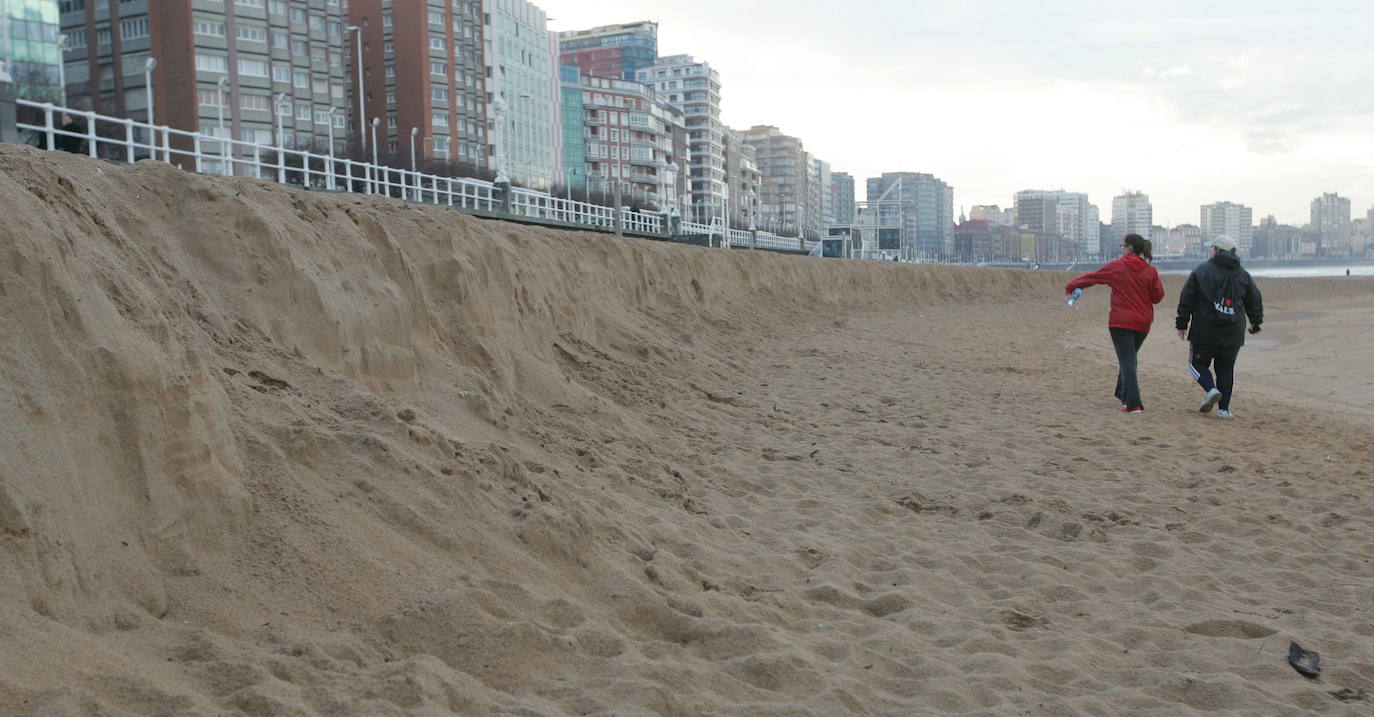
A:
(520, 71)
(1132, 213)
(694, 88)
(1231, 219)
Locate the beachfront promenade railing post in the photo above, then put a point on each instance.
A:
(48, 128)
(129, 141)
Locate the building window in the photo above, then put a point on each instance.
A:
(251, 34)
(297, 16)
(390, 71)
(438, 119)
(284, 109)
(436, 17)
(211, 63)
(262, 103)
(207, 98)
(251, 3)
(436, 43)
(281, 74)
(391, 98)
(133, 29)
(391, 121)
(277, 7)
(299, 48)
(335, 29)
(386, 19)
(321, 117)
(438, 94)
(302, 79)
(339, 121)
(437, 68)
(280, 40)
(303, 111)
(102, 37)
(252, 68)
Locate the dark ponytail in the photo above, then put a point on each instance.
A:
(1138, 245)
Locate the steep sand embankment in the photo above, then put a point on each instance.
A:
(269, 452)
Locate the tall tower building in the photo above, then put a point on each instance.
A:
(29, 48)
(278, 58)
(927, 210)
(618, 51)
(784, 178)
(1231, 219)
(842, 188)
(520, 67)
(423, 71)
(1132, 213)
(1331, 220)
(694, 88)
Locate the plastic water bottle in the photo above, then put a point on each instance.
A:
(1073, 298)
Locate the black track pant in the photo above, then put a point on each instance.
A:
(1127, 344)
(1203, 358)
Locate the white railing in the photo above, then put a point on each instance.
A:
(127, 140)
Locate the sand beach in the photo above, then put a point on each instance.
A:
(274, 452)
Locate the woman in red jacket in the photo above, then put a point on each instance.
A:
(1135, 290)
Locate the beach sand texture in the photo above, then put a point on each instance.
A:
(274, 452)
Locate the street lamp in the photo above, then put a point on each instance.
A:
(148, 66)
(414, 132)
(62, 67)
(332, 111)
(281, 132)
(362, 97)
(375, 121)
(498, 111)
(753, 209)
(223, 143)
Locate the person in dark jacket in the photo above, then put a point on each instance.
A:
(1216, 301)
(1135, 290)
(68, 142)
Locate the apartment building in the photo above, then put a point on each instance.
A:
(223, 68)
(630, 139)
(618, 51)
(521, 58)
(423, 76)
(1229, 218)
(694, 88)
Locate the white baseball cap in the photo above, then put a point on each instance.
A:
(1222, 242)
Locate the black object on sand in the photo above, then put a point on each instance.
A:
(1306, 662)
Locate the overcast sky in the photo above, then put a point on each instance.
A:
(1260, 102)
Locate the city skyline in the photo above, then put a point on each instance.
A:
(1192, 106)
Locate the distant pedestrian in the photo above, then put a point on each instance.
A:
(1135, 290)
(1212, 309)
(67, 142)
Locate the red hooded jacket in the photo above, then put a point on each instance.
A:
(1135, 290)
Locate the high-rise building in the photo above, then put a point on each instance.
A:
(1229, 218)
(279, 59)
(927, 205)
(822, 197)
(1184, 239)
(631, 137)
(694, 88)
(842, 188)
(1131, 214)
(423, 72)
(29, 48)
(1067, 214)
(1331, 221)
(521, 71)
(784, 177)
(741, 179)
(617, 51)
